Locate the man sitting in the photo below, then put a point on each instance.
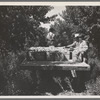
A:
(80, 47)
(83, 47)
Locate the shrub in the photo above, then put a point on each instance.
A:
(93, 87)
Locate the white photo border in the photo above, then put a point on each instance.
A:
(78, 3)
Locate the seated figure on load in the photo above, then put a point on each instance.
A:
(78, 48)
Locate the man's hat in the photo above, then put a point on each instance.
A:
(76, 35)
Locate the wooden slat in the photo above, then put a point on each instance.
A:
(60, 65)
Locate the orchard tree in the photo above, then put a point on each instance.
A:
(19, 26)
(63, 33)
(87, 19)
(80, 19)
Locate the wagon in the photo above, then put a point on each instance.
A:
(53, 59)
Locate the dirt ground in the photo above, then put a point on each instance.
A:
(67, 93)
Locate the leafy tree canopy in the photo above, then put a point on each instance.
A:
(19, 26)
(80, 19)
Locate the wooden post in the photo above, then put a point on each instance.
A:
(71, 54)
(73, 72)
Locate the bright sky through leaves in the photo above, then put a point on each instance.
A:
(57, 10)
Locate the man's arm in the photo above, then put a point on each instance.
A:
(71, 45)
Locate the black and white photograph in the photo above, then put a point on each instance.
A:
(50, 50)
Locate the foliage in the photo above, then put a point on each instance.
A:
(93, 87)
(80, 19)
(86, 18)
(63, 32)
(15, 81)
(19, 26)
